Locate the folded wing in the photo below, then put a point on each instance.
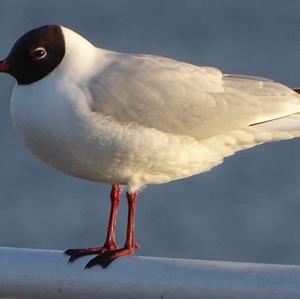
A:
(180, 98)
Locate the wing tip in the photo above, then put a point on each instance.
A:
(297, 89)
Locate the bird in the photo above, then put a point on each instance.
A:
(132, 120)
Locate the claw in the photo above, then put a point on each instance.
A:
(104, 259)
(77, 253)
(94, 261)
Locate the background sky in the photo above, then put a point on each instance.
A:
(247, 209)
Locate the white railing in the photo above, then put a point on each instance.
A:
(43, 274)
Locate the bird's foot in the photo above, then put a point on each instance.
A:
(77, 253)
(105, 258)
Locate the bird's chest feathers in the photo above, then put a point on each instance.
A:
(45, 116)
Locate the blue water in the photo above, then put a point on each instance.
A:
(247, 209)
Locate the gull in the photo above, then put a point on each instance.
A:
(133, 119)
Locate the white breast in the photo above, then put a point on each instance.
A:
(46, 120)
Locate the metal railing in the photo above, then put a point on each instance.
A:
(43, 274)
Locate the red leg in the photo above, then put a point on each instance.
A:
(105, 258)
(115, 196)
(110, 242)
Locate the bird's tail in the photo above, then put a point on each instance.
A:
(288, 123)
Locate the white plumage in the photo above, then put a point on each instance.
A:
(140, 119)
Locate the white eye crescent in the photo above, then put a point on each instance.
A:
(39, 53)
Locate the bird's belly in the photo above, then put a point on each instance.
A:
(76, 156)
(106, 152)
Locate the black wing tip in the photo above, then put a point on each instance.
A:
(297, 89)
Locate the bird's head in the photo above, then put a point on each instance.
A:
(38, 52)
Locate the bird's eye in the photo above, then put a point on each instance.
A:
(39, 53)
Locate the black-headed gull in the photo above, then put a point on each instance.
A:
(134, 120)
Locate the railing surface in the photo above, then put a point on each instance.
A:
(43, 274)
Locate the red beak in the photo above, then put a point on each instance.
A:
(4, 66)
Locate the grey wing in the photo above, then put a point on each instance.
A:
(180, 98)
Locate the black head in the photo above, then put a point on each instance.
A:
(35, 54)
